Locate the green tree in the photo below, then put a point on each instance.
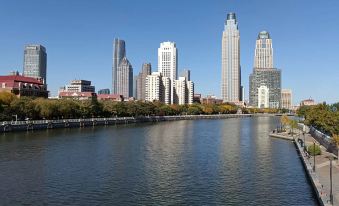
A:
(293, 125)
(284, 120)
(314, 150)
(68, 108)
(194, 109)
(6, 98)
(24, 108)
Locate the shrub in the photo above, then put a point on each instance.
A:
(311, 150)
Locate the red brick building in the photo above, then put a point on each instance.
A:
(23, 86)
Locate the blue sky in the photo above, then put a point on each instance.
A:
(78, 37)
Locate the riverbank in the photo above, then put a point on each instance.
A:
(320, 178)
(92, 122)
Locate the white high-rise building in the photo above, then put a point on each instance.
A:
(263, 55)
(183, 91)
(153, 88)
(189, 92)
(168, 63)
(230, 57)
(167, 90)
(180, 91)
(157, 88)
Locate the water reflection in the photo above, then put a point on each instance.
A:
(203, 162)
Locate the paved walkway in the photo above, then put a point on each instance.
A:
(322, 168)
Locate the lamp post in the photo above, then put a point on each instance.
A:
(331, 193)
(304, 141)
(313, 156)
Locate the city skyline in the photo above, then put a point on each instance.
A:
(290, 30)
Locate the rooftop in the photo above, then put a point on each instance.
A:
(19, 78)
(264, 35)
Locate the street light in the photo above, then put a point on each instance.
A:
(304, 131)
(331, 193)
(313, 156)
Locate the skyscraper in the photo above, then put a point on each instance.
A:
(35, 61)
(141, 81)
(230, 58)
(168, 63)
(124, 78)
(263, 55)
(118, 54)
(265, 81)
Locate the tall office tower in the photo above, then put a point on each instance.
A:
(168, 63)
(141, 81)
(35, 61)
(286, 99)
(230, 61)
(187, 74)
(118, 54)
(263, 55)
(265, 81)
(125, 78)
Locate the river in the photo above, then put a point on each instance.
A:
(188, 162)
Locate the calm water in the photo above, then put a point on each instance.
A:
(202, 162)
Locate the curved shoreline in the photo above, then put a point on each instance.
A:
(92, 122)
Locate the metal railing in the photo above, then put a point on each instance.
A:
(64, 120)
(120, 119)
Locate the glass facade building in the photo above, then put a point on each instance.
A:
(265, 81)
(119, 52)
(35, 62)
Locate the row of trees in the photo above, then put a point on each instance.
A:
(290, 123)
(324, 117)
(39, 108)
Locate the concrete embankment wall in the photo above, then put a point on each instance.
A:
(312, 176)
(72, 123)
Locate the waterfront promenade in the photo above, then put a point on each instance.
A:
(320, 179)
(322, 171)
